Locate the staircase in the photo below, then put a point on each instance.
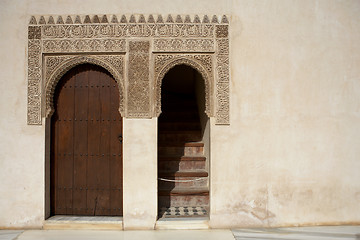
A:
(181, 158)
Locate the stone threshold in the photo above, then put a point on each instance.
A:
(62, 222)
(183, 223)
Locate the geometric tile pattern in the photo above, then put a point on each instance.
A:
(167, 212)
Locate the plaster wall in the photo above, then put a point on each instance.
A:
(140, 173)
(290, 155)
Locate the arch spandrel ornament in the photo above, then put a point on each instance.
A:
(201, 63)
(58, 43)
(57, 66)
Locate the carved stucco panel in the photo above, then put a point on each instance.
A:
(199, 43)
(138, 99)
(222, 83)
(84, 45)
(128, 30)
(57, 66)
(184, 45)
(34, 82)
(201, 62)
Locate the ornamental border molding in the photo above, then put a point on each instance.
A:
(57, 66)
(165, 62)
(58, 43)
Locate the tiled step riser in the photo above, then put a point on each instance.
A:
(203, 182)
(180, 201)
(181, 165)
(186, 211)
(179, 137)
(181, 151)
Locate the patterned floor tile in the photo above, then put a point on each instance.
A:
(182, 212)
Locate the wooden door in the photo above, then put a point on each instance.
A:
(86, 161)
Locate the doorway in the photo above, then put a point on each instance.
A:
(183, 145)
(86, 145)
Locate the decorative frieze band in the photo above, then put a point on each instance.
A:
(184, 45)
(127, 30)
(84, 45)
(105, 19)
(152, 46)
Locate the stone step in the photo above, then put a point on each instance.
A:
(193, 174)
(187, 165)
(181, 158)
(183, 200)
(179, 136)
(184, 191)
(181, 151)
(184, 223)
(181, 143)
(183, 182)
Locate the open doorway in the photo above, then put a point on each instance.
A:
(183, 145)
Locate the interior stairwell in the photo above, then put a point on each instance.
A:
(183, 187)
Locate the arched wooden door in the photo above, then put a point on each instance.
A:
(86, 142)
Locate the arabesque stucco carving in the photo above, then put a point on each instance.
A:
(145, 47)
(164, 62)
(57, 66)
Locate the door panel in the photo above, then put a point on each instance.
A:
(86, 161)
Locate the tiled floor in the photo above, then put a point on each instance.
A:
(126, 235)
(297, 233)
(9, 234)
(182, 212)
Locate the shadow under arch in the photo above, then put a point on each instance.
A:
(206, 76)
(183, 145)
(65, 67)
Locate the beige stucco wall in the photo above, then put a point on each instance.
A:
(140, 173)
(291, 153)
(293, 158)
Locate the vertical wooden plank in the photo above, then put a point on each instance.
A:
(69, 160)
(59, 185)
(104, 168)
(93, 143)
(115, 153)
(65, 147)
(54, 160)
(80, 141)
